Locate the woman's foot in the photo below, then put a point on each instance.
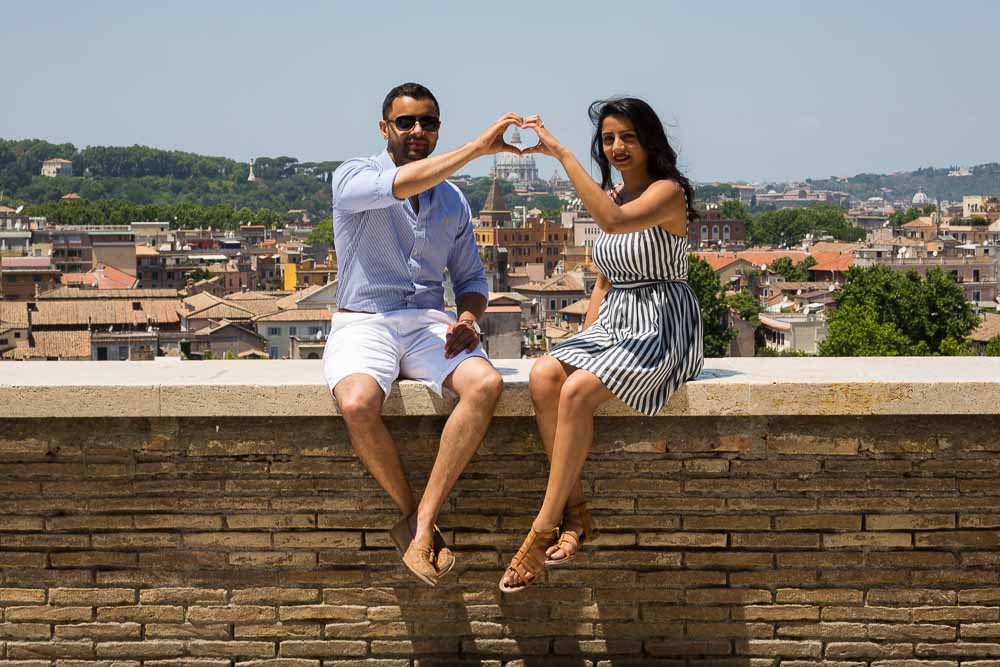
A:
(529, 561)
(577, 527)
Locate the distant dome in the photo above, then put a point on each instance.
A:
(772, 192)
(919, 198)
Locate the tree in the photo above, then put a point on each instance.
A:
(993, 346)
(856, 331)
(745, 305)
(714, 309)
(950, 347)
(733, 209)
(198, 274)
(322, 232)
(792, 272)
(909, 215)
(789, 226)
(882, 308)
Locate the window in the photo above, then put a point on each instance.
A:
(272, 352)
(704, 232)
(314, 330)
(102, 354)
(564, 303)
(292, 331)
(552, 304)
(136, 305)
(725, 232)
(36, 278)
(274, 331)
(123, 353)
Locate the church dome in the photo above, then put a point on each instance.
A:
(919, 198)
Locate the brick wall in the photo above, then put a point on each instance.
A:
(791, 542)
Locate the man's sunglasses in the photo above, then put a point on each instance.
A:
(404, 123)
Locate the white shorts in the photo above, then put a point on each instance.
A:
(386, 346)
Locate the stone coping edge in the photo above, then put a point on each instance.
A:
(730, 387)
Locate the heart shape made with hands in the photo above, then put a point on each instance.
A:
(514, 136)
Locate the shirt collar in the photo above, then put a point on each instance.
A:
(384, 160)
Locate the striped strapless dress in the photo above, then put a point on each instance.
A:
(647, 339)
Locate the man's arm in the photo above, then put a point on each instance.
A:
(360, 185)
(416, 177)
(471, 289)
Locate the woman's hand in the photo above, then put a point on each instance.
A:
(547, 143)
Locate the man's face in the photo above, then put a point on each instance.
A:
(415, 143)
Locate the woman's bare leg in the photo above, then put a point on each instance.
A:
(580, 395)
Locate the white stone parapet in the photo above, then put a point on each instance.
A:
(731, 387)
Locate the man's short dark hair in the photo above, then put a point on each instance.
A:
(414, 90)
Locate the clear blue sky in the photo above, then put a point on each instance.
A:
(770, 90)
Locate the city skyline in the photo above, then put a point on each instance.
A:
(771, 93)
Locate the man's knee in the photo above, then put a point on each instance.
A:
(492, 386)
(485, 387)
(359, 402)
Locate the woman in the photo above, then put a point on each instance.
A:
(642, 337)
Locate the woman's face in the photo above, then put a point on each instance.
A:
(621, 145)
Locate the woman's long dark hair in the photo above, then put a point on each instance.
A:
(662, 157)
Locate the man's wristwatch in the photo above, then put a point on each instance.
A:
(475, 325)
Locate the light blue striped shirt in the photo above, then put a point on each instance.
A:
(388, 257)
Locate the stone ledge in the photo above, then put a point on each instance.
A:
(731, 387)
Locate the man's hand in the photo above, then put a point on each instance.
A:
(461, 336)
(491, 141)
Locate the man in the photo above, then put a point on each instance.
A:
(398, 224)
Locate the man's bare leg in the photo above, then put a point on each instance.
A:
(478, 386)
(359, 398)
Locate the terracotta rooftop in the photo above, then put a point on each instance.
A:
(14, 313)
(102, 277)
(77, 293)
(758, 256)
(834, 247)
(221, 311)
(101, 312)
(717, 260)
(25, 263)
(832, 262)
(924, 221)
(577, 308)
(494, 200)
(52, 344)
(563, 282)
(297, 315)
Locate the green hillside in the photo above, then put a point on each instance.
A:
(935, 183)
(149, 176)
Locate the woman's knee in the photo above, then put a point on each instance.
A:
(546, 377)
(581, 393)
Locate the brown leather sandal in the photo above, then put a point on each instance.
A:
(443, 558)
(570, 539)
(525, 563)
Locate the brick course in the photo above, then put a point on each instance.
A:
(726, 542)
